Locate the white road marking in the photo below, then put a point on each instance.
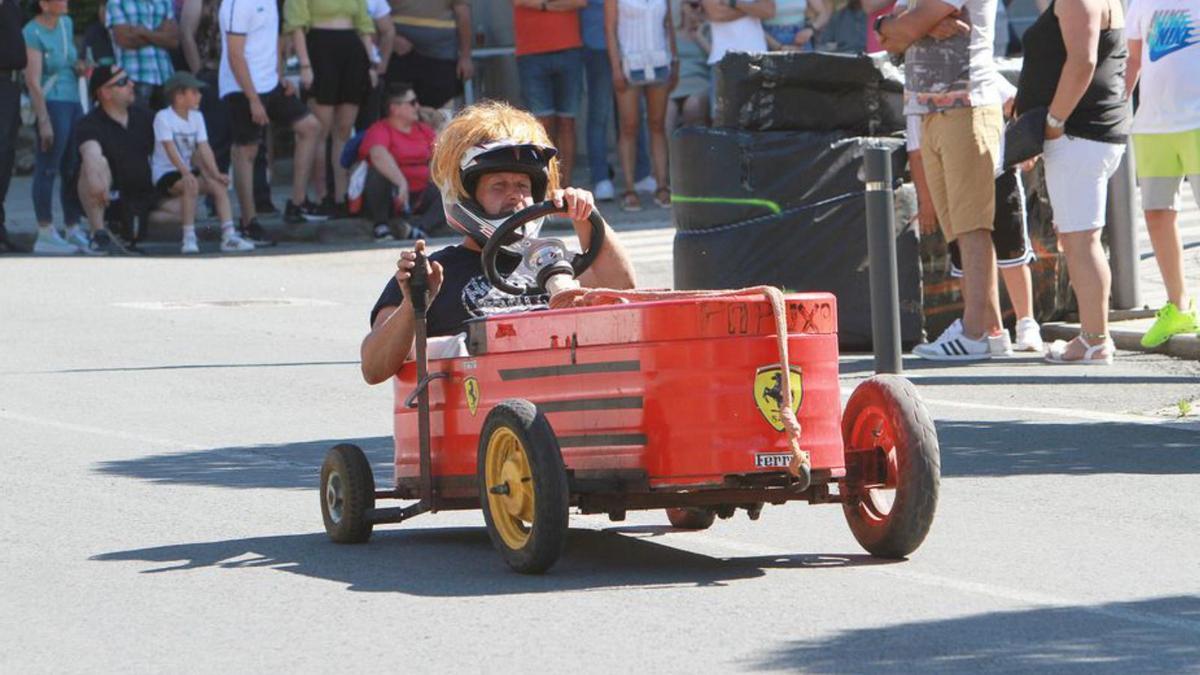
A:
(98, 431)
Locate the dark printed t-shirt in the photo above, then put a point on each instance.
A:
(466, 292)
(127, 149)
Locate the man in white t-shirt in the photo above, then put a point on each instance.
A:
(183, 164)
(950, 79)
(252, 87)
(1164, 50)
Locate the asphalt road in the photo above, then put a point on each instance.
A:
(163, 420)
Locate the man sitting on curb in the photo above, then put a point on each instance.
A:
(114, 142)
(398, 149)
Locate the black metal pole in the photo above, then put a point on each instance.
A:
(1121, 218)
(418, 285)
(881, 249)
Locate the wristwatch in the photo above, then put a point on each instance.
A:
(733, 4)
(1054, 123)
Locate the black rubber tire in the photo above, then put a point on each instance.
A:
(691, 518)
(918, 468)
(548, 530)
(347, 464)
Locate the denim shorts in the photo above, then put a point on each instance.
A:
(551, 83)
(785, 34)
(638, 77)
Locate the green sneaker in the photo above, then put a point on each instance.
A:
(1170, 321)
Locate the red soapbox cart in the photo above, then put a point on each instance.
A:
(672, 404)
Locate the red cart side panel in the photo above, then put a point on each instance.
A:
(668, 387)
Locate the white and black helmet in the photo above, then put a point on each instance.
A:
(467, 216)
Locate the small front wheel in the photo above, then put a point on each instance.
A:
(347, 493)
(523, 486)
(893, 466)
(691, 518)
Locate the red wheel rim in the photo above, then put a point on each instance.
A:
(873, 429)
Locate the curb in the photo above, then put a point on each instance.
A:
(1130, 339)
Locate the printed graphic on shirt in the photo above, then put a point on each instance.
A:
(481, 299)
(1170, 31)
(186, 142)
(937, 73)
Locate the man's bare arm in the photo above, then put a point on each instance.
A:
(898, 33)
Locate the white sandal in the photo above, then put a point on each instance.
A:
(1057, 353)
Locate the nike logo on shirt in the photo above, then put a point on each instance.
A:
(1170, 31)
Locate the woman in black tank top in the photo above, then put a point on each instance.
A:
(1078, 73)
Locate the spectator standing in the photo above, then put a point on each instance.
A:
(736, 27)
(846, 32)
(97, 44)
(252, 88)
(433, 48)
(641, 47)
(788, 30)
(398, 149)
(143, 33)
(200, 35)
(50, 76)
(1166, 140)
(689, 98)
(12, 61)
(600, 106)
(952, 83)
(1075, 59)
(333, 40)
(183, 165)
(550, 67)
(372, 104)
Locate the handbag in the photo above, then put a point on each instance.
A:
(1024, 136)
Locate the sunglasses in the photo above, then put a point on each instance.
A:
(119, 82)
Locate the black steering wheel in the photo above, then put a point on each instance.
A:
(578, 262)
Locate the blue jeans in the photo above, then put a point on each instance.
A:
(552, 82)
(601, 118)
(50, 164)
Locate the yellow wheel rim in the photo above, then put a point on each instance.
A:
(509, 484)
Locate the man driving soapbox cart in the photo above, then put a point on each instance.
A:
(610, 401)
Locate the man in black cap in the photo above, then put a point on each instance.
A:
(115, 141)
(12, 62)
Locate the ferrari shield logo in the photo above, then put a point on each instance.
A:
(768, 393)
(471, 389)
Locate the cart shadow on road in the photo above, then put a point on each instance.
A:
(460, 562)
(1153, 635)
(284, 465)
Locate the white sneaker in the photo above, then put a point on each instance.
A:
(78, 238)
(50, 242)
(1029, 336)
(952, 345)
(647, 185)
(235, 244)
(1000, 345)
(190, 244)
(604, 191)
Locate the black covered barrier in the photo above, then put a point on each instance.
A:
(813, 91)
(786, 209)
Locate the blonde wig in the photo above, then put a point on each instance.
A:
(477, 124)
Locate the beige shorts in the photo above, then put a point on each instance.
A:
(960, 149)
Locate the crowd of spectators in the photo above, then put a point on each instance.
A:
(181, 89)
(643, 65)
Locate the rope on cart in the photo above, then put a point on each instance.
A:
(587, 297)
